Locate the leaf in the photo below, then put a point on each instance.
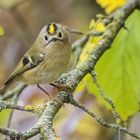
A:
(1, 31)
(110, 5)
(118, 70)
(4, 116)
(90, 45)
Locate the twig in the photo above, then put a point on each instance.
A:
(11, 93)
(78, 45)
(11, 133)
(8, 105)
(115, 114)
(14, 100)
(44, 123)
(71, 79)
(93, 75)
(100, 120)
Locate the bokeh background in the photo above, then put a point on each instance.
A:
(22, 20)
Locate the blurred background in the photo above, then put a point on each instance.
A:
(22, 20)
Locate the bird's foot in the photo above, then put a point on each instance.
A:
(60, 87)
(44, 91)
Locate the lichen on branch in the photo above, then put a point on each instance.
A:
(44, 124)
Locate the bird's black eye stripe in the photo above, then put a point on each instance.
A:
(25, 60)
(46, 38)
(60, 34)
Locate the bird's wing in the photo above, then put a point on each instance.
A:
(28, 62)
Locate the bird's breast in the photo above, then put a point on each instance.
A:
(54, 64)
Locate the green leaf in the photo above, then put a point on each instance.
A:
(119, 69)
(4, 116)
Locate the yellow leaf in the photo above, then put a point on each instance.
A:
(110, 5)
(92, 42)
(1, 31)
(90, 45)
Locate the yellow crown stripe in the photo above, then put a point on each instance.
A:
(52, 28)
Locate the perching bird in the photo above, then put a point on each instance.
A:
(46, 59)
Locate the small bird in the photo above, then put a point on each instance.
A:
(46, 60)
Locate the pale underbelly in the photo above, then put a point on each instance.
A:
(46, 73)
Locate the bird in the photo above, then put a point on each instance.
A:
(46, 59)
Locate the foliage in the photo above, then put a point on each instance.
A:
(4, 116)
(110, 5)
(1, 31)
(118, 69)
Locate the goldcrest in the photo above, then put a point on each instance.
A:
(46, 59)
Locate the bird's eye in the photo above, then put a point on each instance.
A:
(60, 35)
(46, 38)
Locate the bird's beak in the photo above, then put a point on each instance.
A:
(53, 40)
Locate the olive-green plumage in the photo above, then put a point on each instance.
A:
(46, 59)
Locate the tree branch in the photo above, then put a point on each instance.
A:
(71, 79)
(100, 120)
(11, 93)
(8, 105)
(10, 132)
